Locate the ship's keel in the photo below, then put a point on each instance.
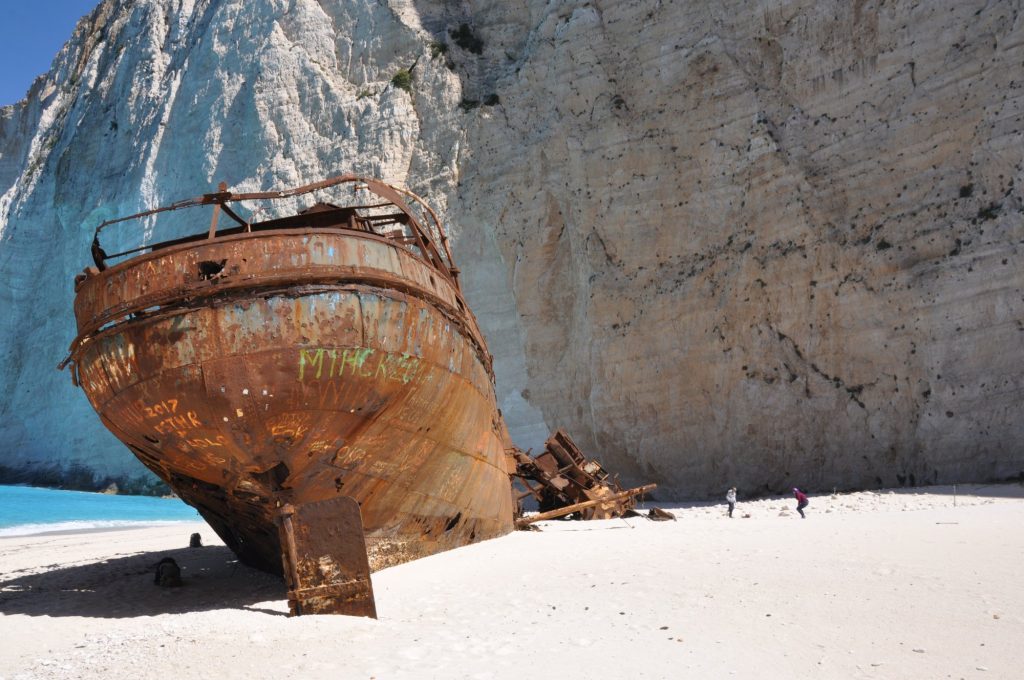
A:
(323, 552)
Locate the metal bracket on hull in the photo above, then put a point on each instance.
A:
(323, 550)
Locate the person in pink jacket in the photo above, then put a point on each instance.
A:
(801, 501)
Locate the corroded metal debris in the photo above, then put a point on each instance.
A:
(659, 515)
(564, 481)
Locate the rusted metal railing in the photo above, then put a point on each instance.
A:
(420, 236)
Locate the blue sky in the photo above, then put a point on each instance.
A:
(31, 34)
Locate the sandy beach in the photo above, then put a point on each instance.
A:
(898, 584)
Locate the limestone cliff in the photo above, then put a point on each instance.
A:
(720, 243)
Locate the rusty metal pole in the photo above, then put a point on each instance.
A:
(561, 512)
(216, 211)
(290, 557)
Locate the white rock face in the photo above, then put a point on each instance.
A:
(720, 243)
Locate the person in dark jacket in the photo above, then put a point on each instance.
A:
(801, 501)
(730, 498)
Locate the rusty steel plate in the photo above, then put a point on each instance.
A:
(325, 559)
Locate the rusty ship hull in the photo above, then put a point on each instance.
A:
(299, 360)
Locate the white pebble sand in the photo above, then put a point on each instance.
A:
(871, 585)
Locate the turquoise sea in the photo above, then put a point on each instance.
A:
(28, 510)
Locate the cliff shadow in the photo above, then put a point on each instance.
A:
(1006, 489)
(123, 587)
(966, 491)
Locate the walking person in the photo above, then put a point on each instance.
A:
(801, 501)
(730, 498)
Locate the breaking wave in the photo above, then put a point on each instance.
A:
(80, 525)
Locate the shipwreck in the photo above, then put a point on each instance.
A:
(315, 385)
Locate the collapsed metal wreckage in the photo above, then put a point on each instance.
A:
(316, 386)
(564, 482)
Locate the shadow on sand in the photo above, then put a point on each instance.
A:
(123, 587)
